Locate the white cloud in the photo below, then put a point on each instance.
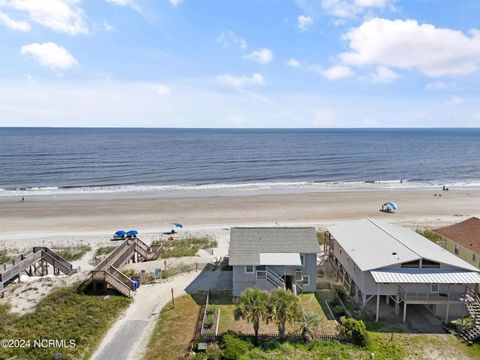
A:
(229, 38)
(159, 89)
(293, 63)
(438, 85)
(325, 118)
(454, 101)
(406, 44)
(13, 24)
(304, 22)
(241, 80)
(59, 15)
(352, 8)
(50, 55)
(175, 2)
(384, 75)
(337, 72)
(262, 56)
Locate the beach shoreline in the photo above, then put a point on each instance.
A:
(92, 218)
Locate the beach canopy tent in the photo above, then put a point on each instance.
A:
(389, 206)
(121, 233)
(132, 233)
(177, 225)
(392, 205)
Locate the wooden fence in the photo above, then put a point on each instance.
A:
(266, 337)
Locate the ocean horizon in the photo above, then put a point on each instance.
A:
(69, 160)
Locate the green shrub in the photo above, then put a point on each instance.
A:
(187, 246)
(214, 352)
(321, 237)
(208, 321)
(234, 347)
(355, 331)
(338, 310)
(341, 293)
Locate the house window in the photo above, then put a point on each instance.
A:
(249, 269)
(306, 280)
(434, 288)
(456, 249)
(302, 259)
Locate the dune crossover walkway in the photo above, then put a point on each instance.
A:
(107, 274)
(34, 262)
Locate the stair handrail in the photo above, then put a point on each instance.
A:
(102, 264)
(117, 283)
(122, 277)
(274, 278)
(58, 258)
(56, 263)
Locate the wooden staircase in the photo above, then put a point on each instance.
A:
(34, 262)
(472, 302)
(107, 273)
(274, 279)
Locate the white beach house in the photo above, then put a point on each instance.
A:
(385, 262)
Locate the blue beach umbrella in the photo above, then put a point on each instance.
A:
(132, 233)
(393, 205)
(177, 225)
(121, 233)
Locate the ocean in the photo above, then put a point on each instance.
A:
(56, 160)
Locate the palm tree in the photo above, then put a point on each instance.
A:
(308, 322)
(284, 307)
(252, 306)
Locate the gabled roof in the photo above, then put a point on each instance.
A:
(374, 244)
(465, 233)
(246, 243)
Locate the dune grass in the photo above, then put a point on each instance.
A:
(72, 253)
(4, 256)
(104, 250)
(430, 235)
(66, 315)
(188, 246)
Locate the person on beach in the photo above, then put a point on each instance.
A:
(23, 199)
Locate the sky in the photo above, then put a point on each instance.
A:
(240, 63)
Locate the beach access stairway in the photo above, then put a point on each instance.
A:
(34, 262)
(107, 274)
(472, 302)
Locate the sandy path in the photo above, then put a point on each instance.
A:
(129, 336)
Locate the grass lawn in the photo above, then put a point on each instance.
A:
(174, 330)
(61, 315)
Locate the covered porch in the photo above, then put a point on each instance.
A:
(441, 290)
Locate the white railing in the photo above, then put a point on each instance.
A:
(274, 279)
(427, 296)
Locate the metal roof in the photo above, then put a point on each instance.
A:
(280, 259)
(246, 243)
(376, 244)
(425, 276)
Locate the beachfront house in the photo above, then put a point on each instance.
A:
(394, 265)
(274, 257)
(463, 240)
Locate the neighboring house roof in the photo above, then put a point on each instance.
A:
(425, 276)
(376, 244)
(465, 233)
(247, 243)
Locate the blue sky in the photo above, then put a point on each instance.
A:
(248, 63)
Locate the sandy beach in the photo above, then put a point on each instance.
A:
(58, 220)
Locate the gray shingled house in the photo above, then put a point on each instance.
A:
(276, 257)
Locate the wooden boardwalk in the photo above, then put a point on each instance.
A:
(34, 262)
(107, 274)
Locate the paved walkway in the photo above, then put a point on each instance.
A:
(128, 337)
